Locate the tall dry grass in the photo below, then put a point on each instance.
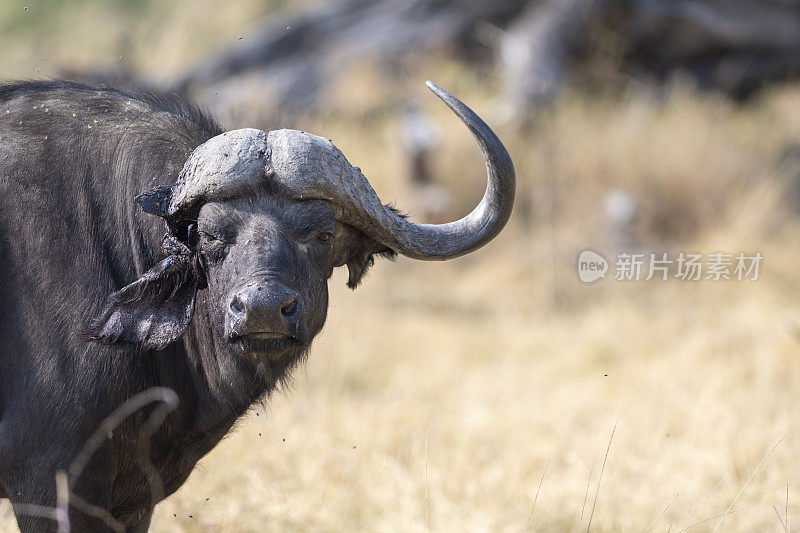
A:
(452, 396)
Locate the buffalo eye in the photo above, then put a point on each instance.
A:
(316, 236)
(224, 236)
(210, 237)
(217, 247)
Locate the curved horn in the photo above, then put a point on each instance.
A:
(446, 241)
(312, 167)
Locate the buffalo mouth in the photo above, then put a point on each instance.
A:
(269, 335)
(269, 345)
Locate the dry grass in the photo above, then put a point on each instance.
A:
(700, 384)
(438, 393)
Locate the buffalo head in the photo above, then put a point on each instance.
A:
(260, 220)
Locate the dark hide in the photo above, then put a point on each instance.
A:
(80, 258)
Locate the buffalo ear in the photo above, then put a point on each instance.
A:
(152, 311)
(363, 258)
(358, 251)
(355, 249)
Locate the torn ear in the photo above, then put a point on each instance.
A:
(156, 201)
(154, 310)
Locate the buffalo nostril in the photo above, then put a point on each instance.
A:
(237, 307)
(289, 308)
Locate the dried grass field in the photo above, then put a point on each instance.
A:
(482, 394)
(451, 397)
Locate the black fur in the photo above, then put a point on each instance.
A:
(72, 160)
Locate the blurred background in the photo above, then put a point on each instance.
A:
(482, 394)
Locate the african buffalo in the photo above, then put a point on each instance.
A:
(97, 304)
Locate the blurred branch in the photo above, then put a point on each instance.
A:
(298, 55)
(168, 402)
